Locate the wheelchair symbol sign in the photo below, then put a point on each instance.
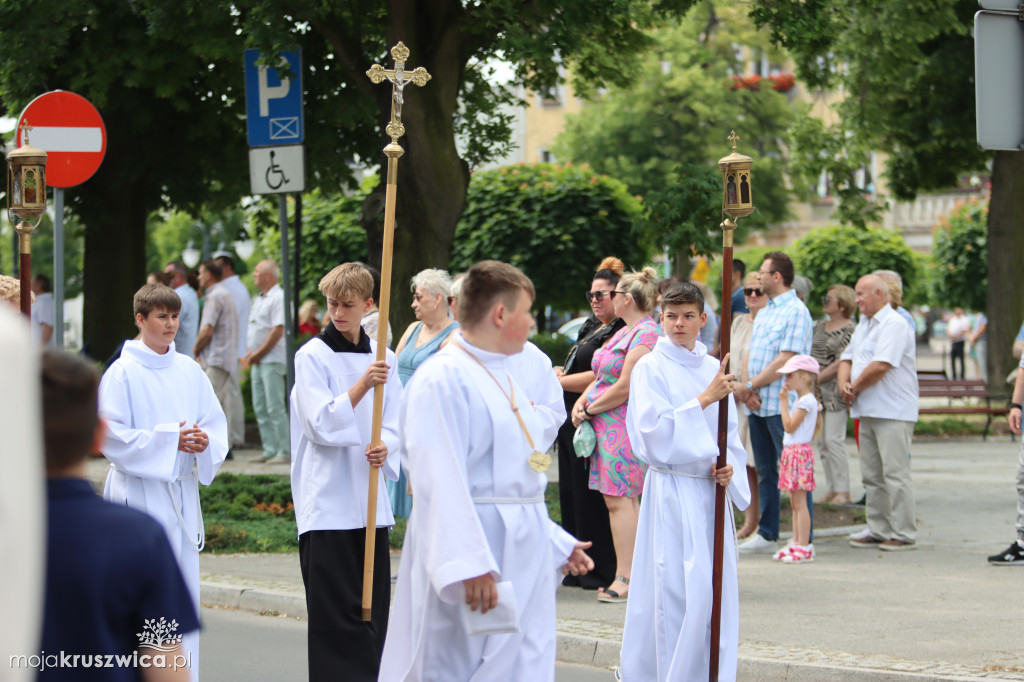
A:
(276, 170)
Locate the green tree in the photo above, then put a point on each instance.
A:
(555, 222)
(908, 70)
(453, 40)
(331, 235)
(170, 97)
(960, 257)
(843, 254)
(663, 132)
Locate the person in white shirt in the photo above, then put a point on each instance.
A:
(266, 360)
(476, 594)
(332, 456)
(878, 380)
(188, 319)
(957, 330)
(239, 292)
(43, 312)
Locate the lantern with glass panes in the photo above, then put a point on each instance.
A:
(26, 201)
(736, 199)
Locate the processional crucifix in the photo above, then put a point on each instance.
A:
(395, 129)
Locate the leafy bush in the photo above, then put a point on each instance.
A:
(555, 346)
(842, 255)
(555, 222)
(960, 256)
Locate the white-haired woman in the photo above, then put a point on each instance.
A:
(432, 290)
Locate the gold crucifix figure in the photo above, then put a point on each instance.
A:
(25, 127)
(734, 138)
(399, 78)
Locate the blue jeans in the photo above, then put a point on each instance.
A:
(766, 439)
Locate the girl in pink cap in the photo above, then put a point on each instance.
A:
(796, 468)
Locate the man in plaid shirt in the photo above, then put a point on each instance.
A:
(216, 346)
(781, 330)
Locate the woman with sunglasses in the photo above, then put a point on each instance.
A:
(614, 470)
(742, 326)
(584, 513)
(830, 339)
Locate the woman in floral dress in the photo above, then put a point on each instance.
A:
(614, 471)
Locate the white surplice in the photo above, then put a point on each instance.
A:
(533, 370)
(144, 397)
(668, 617)
(329, 436)
(479, 509)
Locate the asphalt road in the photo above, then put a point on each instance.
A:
(246, 647)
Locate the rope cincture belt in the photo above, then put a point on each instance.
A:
(200, 540)
(508, 500)
(673, 472)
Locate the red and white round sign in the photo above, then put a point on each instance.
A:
(69, 129)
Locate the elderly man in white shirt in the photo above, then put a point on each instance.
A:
(878, 380)
(266, 358)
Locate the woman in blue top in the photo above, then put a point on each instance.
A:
(432, 290)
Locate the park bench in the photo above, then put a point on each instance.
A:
(963, 396)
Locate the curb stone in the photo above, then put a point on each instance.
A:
(597, 644)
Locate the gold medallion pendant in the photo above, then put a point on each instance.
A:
(540, 461)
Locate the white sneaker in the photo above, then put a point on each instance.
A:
(757, 544)
(279, 459)
(860, 535)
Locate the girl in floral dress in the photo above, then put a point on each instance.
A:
(614, 471)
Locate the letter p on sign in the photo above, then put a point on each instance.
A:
(273, 104)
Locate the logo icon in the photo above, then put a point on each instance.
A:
(159, 635)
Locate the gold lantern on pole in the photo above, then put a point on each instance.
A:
(736, 199)
(26, 200)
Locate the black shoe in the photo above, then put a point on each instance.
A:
(862, 501)
(1012, 556)
(230, 455)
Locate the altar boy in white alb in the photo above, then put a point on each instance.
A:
(673, 425)
(332, 456)
(165, 431)
(476, 593)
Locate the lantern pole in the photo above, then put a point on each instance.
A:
(399, 78)
(735, 203)
(26, 198)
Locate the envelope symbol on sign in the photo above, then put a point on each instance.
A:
(284, 128)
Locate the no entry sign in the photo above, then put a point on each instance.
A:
(69, 129)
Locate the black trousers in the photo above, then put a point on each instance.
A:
(584, 513)
(341, 645)
(956, 352)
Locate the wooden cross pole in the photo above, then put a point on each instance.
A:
(399, 78)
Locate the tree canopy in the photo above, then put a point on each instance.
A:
(555, 222)
(166, 76)
(663, 132)
(908, 73)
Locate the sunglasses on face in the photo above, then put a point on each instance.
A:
(752, 292)
(825, 300)
(599, 295)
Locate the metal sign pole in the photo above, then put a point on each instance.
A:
(58, 267)
(289, 332)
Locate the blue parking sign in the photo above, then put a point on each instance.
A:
(273, 105)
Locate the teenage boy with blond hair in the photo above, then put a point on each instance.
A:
(332, 456)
